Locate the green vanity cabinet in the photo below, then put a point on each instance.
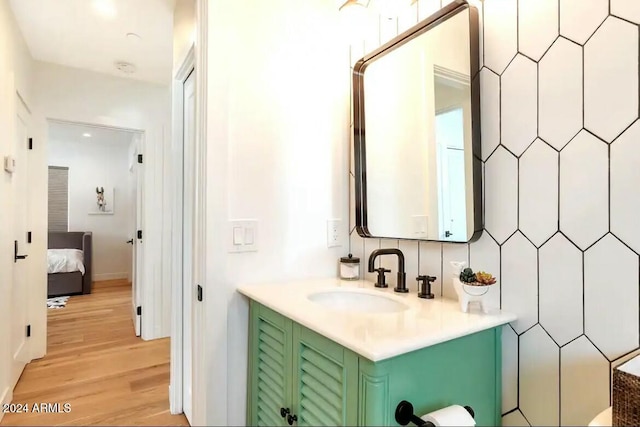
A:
(463, 371)
(322, 383)
(294, 368)
(270, 366)
(325, 381)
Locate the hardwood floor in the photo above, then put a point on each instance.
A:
(95, 363)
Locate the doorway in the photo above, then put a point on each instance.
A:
(186, 292)
(451, 176)
(95, 193)
(188, 238)
(453, 116)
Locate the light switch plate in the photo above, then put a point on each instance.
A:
(420, 225)
(243, 235)
(9, 164)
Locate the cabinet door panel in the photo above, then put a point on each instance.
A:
(270, 367)
(325, 380)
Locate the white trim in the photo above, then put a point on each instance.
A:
(176, 381)
(94, 125)
(23, 102)
(110, 276)
(146, 299)
(450, 74)
(210, 321)
(187, 66)
(5, 398)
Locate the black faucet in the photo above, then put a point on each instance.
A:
(401, 286)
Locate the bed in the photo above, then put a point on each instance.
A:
(70, 252)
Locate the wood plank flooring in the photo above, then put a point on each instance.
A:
(95, 363)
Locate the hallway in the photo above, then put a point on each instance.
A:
(95, 363)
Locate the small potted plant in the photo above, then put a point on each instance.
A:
(471, 286)
(481, 278)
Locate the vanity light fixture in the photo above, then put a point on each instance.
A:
(353, 19)
(351, 3)
(392, 8)
(105, 8)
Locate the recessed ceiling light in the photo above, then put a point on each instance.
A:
(125, 67)
(86, 135)
(133, 36)
(106, 8)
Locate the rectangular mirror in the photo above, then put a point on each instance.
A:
(417, 132)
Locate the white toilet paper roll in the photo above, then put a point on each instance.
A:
(454, 415)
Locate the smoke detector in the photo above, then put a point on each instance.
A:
(126, 67)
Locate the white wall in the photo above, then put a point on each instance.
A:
(277, 151)
(184, 27)
(70, 94)
(15, 76)
(91, 164)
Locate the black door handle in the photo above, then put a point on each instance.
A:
(448, 233)
(130, 242)
(291, 419)
(16, 257)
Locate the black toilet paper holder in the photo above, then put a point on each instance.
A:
(405, 415)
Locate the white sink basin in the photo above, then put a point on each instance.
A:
(357, 301)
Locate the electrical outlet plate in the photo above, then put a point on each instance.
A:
(333, 232)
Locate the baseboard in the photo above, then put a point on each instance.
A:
(110, 276)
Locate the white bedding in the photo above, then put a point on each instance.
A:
(65, 261)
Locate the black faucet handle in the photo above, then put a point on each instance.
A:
(382, 283)
(425, 286)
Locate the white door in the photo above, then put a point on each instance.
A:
(456, 221)
(19, 288)
(137, 267)
(451, 175)
(188, 241)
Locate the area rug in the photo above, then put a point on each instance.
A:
(57, 302)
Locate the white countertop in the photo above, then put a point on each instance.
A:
(376, 336)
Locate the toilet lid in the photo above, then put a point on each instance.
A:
(603, 418)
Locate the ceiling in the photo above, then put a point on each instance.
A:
(70, 132)
(92, 34)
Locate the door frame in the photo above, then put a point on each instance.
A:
(209, 375)
(139, 275)
(176, 382)
(137, 269)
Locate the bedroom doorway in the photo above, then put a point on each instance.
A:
(95, 210)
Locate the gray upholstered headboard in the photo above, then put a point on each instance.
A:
(76, 240)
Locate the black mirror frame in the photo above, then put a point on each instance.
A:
(359, 139)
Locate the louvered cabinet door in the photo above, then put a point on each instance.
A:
(325, 381)
(270, 367)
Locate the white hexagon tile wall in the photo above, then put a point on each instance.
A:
(560, 152)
